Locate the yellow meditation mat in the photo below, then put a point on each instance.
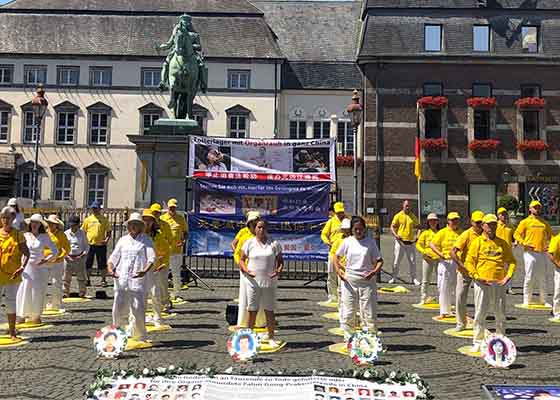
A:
(47, 312)
(133, 344)
(76, 299)
(28, 326)
(236, 300)
(162, 328)
(466, 350)
(260, 329)
(164, 315)
(7, 341)
(465, 333)
(340, 348)
(329, 304)
(184, 287)
(267, 348)
(554, 320)
(533, 306)
(332, 315)
(427, 306)
(450, 319)
(394, 289)
(338, 331)
(176, 302)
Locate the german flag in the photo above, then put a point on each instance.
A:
(417, 149)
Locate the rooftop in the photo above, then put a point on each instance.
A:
(495, 4)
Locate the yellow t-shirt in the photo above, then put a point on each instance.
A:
(505, 232)
(161, 247)
(62, 245)
(165, 230)
(423, 244)
(178, 227)
(533, 233)
(464, 241)
(334, 249)
(96, 229)
(242, 236)
(331, 231)
(406, 225)
(554, 247)
(10, 256)
(490, 260)
(445, 239)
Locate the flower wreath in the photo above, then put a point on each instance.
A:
(110, 341)
(233, 345)
(364, 348)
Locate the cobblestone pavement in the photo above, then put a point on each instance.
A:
(59, 362)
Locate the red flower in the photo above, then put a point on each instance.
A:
(482, 102)
(532, 145)
(432, 101)
(484, 145)
(433, 144)
(344, 161)
(530, 102)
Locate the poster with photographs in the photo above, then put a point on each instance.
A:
(499, 351)
(262, 159)
(186, 387)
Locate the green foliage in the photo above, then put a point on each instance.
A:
(509, 202)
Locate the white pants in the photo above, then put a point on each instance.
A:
(9, 291)
(176, 262)
(128, 307)
(153, 291)
(427, 272)
(162, 280)
(409, 252)
(461, 296)
(447, 276)
(243, 314)
(486, 297)
(535, 271)
(556, 300)
(332, 281)
(363, 292)
(32, 291)
(56, 274)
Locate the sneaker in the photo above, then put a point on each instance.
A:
(459, 328)
(475, 348)
(416, 282)
(274, 343)
(265, 336)
(548, 305)
(392, 280)
(149, 319)
(157, 324)
(510, 291)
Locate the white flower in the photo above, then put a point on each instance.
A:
(123, 372)
(161, 370)
(145, 371)
(367, 374)
(393, 375)
(229, 370)
(171, 368)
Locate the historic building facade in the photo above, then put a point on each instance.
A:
(477, 81)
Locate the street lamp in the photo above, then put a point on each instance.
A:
(39, 105)
(355, 110)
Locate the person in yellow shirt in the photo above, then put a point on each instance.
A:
(56, 264)
(14, 256)
(490, 263)
(98, 232)
(442, 244)
(329, 234)
(554, 255)
(534, 233)
(404, 228)
(345, 231)
(429, 258)
(168, 235)
(505, 231)
(459, 255)
(178, 226)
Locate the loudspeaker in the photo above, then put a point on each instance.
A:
(232, 311)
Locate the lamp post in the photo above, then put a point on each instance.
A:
(39, 105)
(355, 110)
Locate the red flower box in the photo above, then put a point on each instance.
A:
(432, 101)
(530, 102)
(532, 145)
(344, 161)
(482, 102)
(433, 144)
(484, 145)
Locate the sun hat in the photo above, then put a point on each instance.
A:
(8, 210)
(148, 213)
(490, 218)
(155, 207)
(477, 216)
(501, 210)
(535, 203)
(12, 202)
(252, 215)
(453, 215)
(53, 219)
(345, 224)
(172, 203)
(338, 207)
(135, 217)
(36, 218)
(432, 216)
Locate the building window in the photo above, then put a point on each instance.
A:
(151, 77)
(96, 184)
(63, 185)
(530, 38)
(29, 127)
(481, 90)
(6, 74)
(237, 126)
(433, 197)
(298, 129)
(432, 128)
(35, 74)
(100, 76)
(4, 126)
(432, 89)
(239, 79)
(200, 120)
(148, 121)
(66, 128)
(26, 184)
(99, 128)
(344, 138)
(321, 129)
(481, 124)
(432, 37)
(482, 197)
(68, 76)
(531, 129)
(481, 38)
(531, 91)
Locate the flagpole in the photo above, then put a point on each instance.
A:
(419, 150)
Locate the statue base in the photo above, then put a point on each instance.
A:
(174, 127)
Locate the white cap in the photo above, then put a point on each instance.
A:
(345, 224)
(432, 216)
(135, 217)
(12, 202)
